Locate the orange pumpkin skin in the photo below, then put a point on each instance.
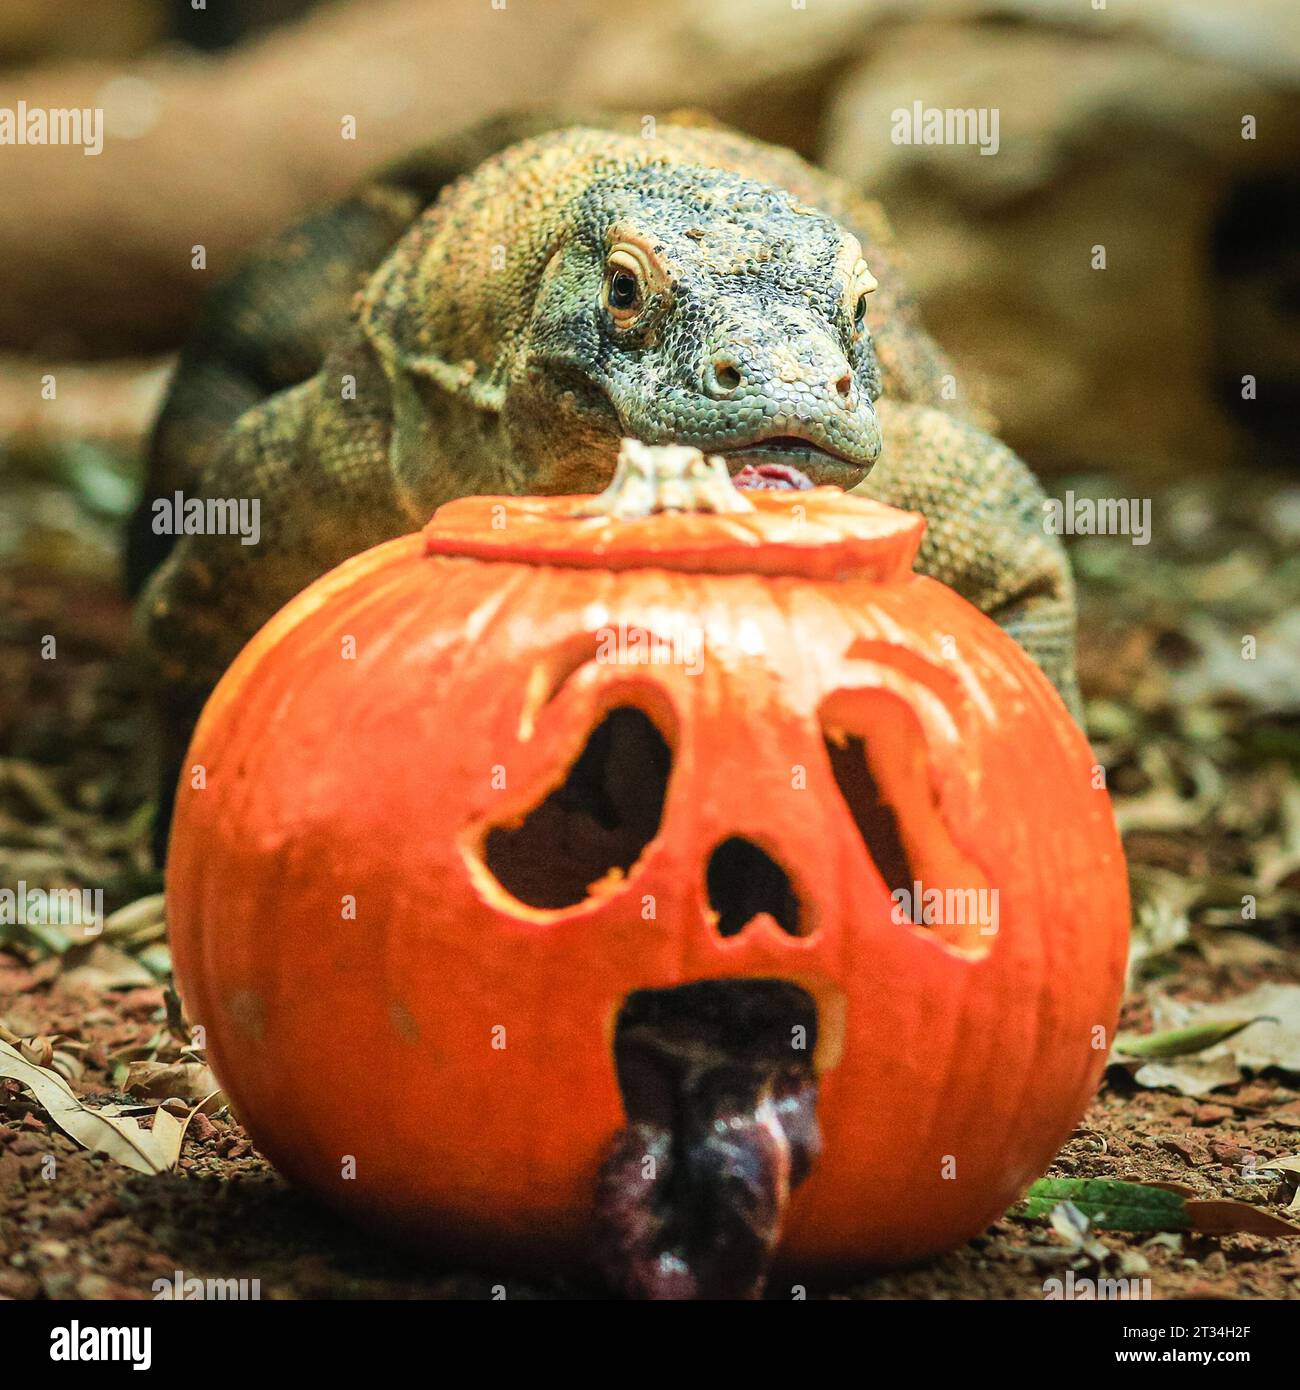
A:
(953, 1064)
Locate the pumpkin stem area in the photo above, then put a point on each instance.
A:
(720, 1094)
(651, 478)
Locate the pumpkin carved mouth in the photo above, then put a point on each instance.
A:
(720, 1092)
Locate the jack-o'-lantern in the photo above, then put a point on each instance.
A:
(673, 875)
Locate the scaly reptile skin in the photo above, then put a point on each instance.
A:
(578, 286)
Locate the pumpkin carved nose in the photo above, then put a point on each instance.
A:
(744, 880)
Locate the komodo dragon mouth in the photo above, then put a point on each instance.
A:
(823, 465)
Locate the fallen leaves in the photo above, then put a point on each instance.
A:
(138, 923)
(58, 1054)
(1179, 1042)
(104, 1129)
(97, 966)
(127, 950)
(1208, 1046)
(188, 1081)
(1275, 1042)
(1114, 1205)
(1189, 646)
(1193, 1077)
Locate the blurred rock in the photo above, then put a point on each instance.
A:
(1118, 135)
(110, 401)
(766, 66)
(95, 252)
(38, 30)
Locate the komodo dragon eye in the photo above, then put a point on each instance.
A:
(633, 279)
(622, 290)
(864, 282)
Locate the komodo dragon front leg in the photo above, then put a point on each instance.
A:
(985, 534)
(316, 467)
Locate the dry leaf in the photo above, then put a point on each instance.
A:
(138, 922)
(67, 1064)
(99, 966)
(191, 1081)
(168, 1133)
(211, 1105)
(1273, 1040)
(38, 1051)
(1223, 1217)
(1269, 1043)
(1291, 1167)
(1189, 1076)
(138, 1149)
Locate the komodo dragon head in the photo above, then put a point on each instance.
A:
(653, 299)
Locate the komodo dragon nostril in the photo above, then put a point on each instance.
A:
(722, 377)
(845, 385)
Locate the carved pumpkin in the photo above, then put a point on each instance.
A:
(477, 789)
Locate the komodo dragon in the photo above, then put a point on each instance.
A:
(494, 317)
(501, 331)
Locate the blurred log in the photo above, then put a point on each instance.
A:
(95, 252)
(38, 30)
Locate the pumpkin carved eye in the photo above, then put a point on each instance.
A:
(876, 820)
(594, 824)
(884, 778)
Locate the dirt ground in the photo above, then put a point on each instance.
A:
(1201, 749)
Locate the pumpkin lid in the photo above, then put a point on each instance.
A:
(669, 507)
